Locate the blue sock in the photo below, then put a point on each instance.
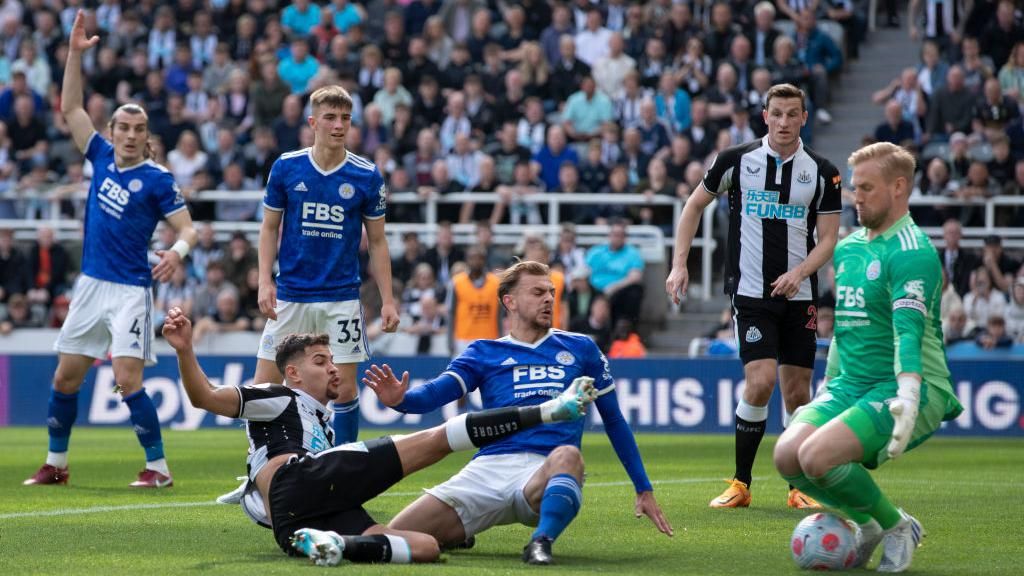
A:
(346, 421)
(560, 504)
(60, 417)
(146, 424)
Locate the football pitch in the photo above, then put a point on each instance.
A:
(968, 494)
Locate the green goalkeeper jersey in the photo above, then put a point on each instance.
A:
(887, 320)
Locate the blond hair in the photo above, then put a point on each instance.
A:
(893, 161)
(331, 96)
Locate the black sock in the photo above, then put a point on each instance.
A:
(493, 425)
(748, 438)
(377, 548)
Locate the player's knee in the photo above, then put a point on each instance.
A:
(423, 547)
(786, 457)
(813, 459)
(566, 460)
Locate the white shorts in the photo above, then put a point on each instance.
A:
(343, 321)
(108, 317)
(489, 491)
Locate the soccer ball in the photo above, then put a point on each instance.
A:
(824, 541)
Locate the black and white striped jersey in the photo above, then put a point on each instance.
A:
(773, 208)
(282, 420)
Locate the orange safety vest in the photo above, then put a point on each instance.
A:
(631, 347)
(558, 279)
(476, 309)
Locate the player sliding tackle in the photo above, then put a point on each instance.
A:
(311, 493)
(889, 388)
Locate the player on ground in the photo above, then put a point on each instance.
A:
(889, 387)
(779, 193)
(112, 302)
(310, 494)
(533, 478)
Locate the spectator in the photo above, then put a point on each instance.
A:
(907, 91)
(593, 175)
(952, 108)
(532, 128)
(264, 101)
(260, 154)
(722, 31)
(994, 335)
(556, 151)
(821, 55)
(954, 327)
(206, 293)
(626, 342)
(785, 67)
(416, 65)
(439, 45)
(552, 36)
(571, 257)
(976, 66)
(495, 256)
(429, 322)
(443, 253)
(299, 67)
(173, 124)
(932, 74)
(1001, 268)
(15, 274)
(464, 162)
(28, 135)
(162, 39)
(1015, 311)
(1011, 75)
(654, 133)
(636, 32)
(179, 292)
(633, 156)
(595, 319)
(345, 15)
(416, 14)
(234, 180)
(627, 101)
(593, 41)
(983, 301)
(610, 70)
(895, 128)
(513, 198)
(739, 59)
(586, 111)
(19, 314)
(206, 251)
(694, 66)
(286, 126)
(35, 66)
(958, 263)
(402, 267)
(239, 257)
(993, 111)
(187, 159)
(299, 17)
(49, 268)
(762, 36)
(422, 282)
(617, 271)
(228, 317)
(656, 183)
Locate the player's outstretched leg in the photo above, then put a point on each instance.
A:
(899, 543)
(61, 415)
(560, 503)
(327, 548)
(147, 427)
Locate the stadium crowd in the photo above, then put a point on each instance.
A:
(516, 98)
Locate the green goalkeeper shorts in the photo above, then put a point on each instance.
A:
(865, 409)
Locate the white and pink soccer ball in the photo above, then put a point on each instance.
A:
(823, 541)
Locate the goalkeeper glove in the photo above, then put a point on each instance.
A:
(904, 412)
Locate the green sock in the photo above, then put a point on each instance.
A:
(852, 485)
(804, 484)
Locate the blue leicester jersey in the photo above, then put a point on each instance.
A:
(123, 209)
(513, 373)
(323, 221)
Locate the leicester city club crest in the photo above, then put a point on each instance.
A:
(346, 191)
(565, 358)
(135, 185)
(874, 270)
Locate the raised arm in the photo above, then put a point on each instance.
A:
(71, 92)
(223, 401)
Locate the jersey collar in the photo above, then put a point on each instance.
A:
(309, 153)
(900, 224)
(310, 400)
(536, 344)
(771, 152)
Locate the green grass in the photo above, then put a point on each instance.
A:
(967, 493)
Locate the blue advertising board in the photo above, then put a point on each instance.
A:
(662, 395)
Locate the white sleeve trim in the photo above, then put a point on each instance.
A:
(458, 378)
(176, 210)
(88, 141)
(365, 217)
(830, 211)
(275, 209)
(606, 389)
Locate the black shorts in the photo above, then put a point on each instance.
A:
(327, 491)
(783, 330)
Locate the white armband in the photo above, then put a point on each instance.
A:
(182, 248)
